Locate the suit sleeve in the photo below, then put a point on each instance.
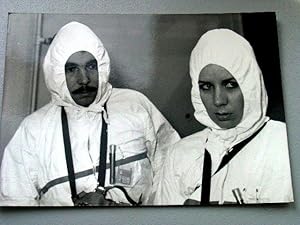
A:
(169, 188)
(159, 136)
(19, 170)
(277, 186)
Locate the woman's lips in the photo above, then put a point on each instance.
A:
(223, 116)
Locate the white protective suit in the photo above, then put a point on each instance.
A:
(35, 157)
(261, 170)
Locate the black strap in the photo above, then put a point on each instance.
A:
(129, 199)
(68, 153)
(88, 172)
(206, 175)
(236, 149)
(206, 179)
(103, 153)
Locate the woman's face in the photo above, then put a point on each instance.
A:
(221, 96)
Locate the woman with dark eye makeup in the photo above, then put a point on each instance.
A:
(242, 155)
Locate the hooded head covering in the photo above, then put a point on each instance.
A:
(226, 48)
(71, 38)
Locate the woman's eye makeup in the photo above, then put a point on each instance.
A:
(204, 85)
(232, 83)
(229, 84)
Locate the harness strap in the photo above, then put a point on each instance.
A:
(103, 153)
(68, 152)
(206, 179)
(129, 199)
(236, 149)
(88, 172)
(206, 175)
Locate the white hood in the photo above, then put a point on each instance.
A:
(72, 38)
(225, 48)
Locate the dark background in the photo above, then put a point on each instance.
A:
(261, 31)
(149, 53)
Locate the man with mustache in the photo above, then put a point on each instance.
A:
(92, 144)
(82, 77)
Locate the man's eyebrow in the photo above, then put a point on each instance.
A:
(92, 61)
(69, 64)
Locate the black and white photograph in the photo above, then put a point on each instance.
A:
(103, 110)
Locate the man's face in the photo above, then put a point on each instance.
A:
(221, 96)
(81, 71)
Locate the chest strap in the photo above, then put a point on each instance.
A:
(88, 172)
(69, 158)
(206, 175)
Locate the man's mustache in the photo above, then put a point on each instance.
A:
(84, 89)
